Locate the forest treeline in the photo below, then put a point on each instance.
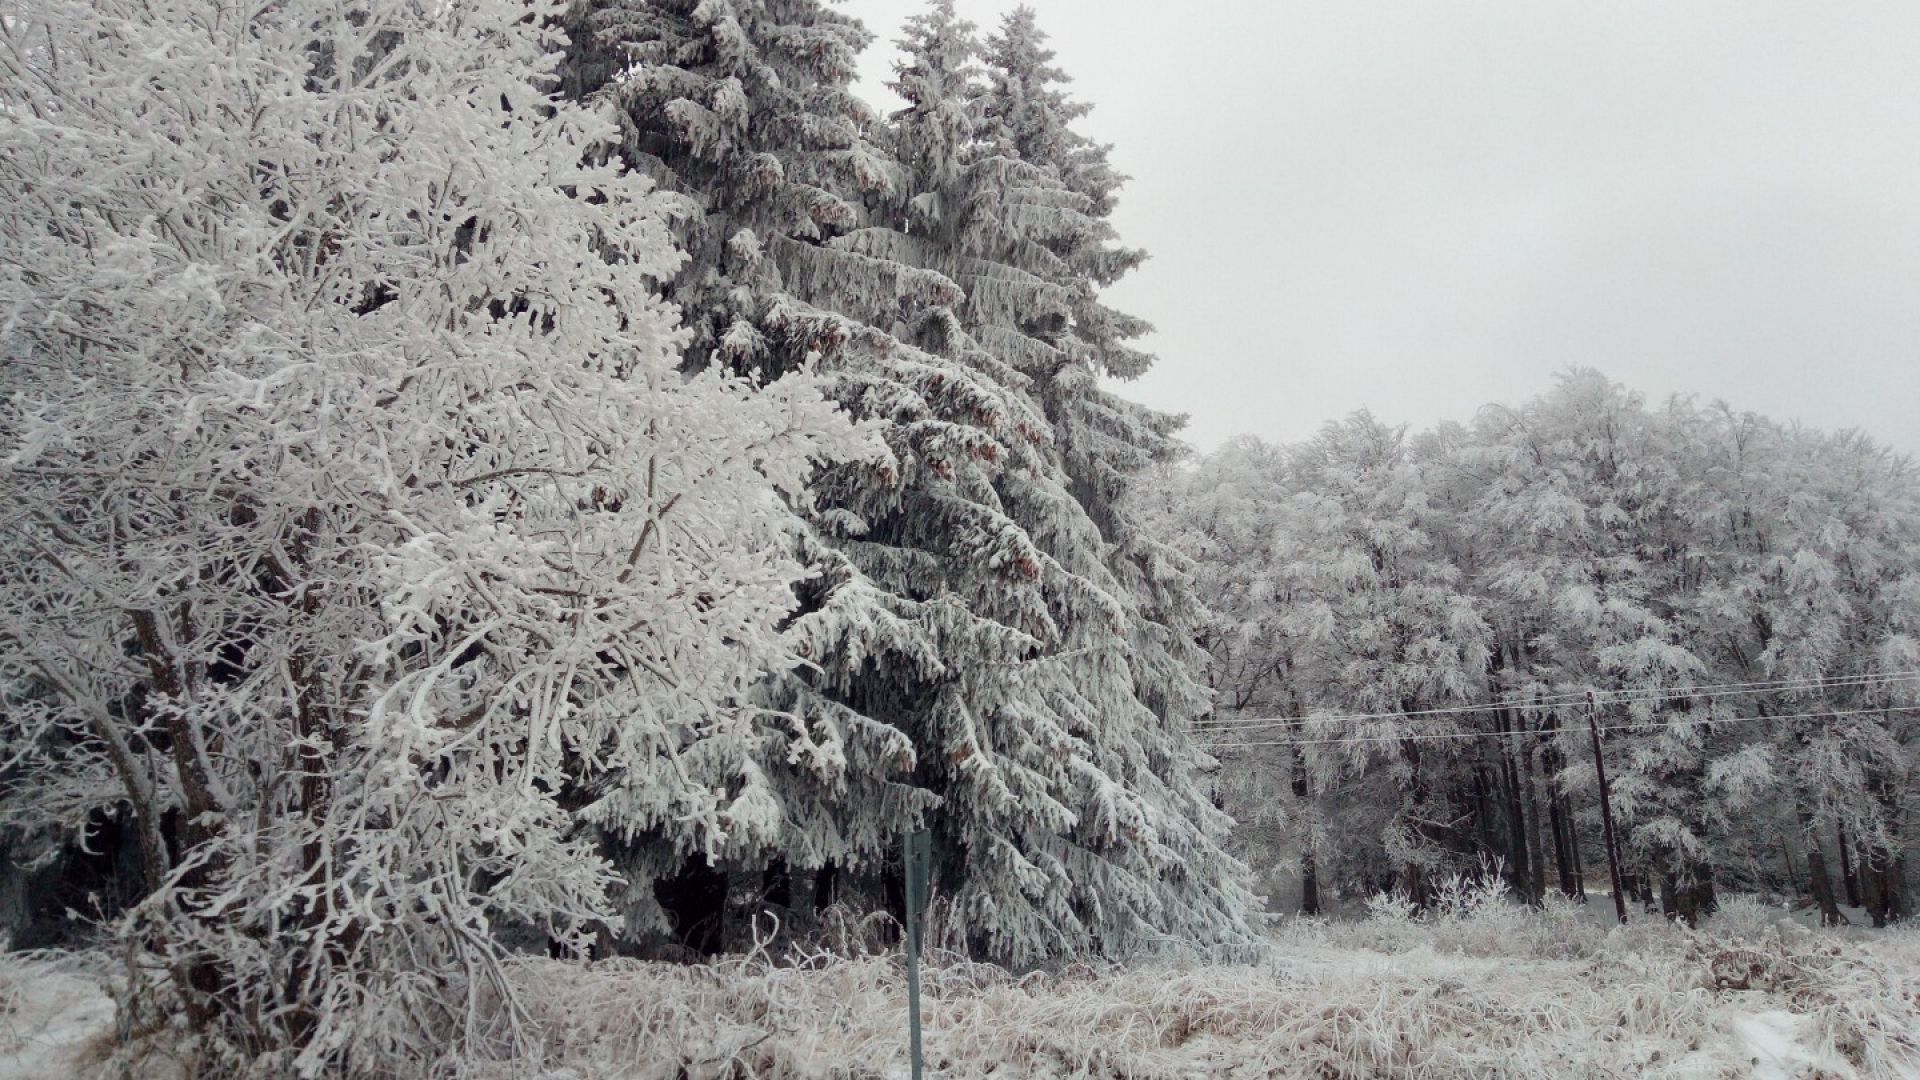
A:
(570, 476)
(1404, 626)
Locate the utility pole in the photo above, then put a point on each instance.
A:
(1606, 809)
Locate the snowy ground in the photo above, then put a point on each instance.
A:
(1493, 992)
(56, 1019)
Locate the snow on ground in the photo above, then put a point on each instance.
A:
(1778, 1044)
(1493, 992)
(55, 1017)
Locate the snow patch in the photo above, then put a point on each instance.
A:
(54, 1024)
(1777, 1041)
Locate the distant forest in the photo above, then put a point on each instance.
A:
(1403, 628)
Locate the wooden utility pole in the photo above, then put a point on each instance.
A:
(1606, 810)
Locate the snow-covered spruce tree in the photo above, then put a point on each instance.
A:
(356, 510)
(742, 109)
(1105, 441)
(950, 612)
(1118, 655)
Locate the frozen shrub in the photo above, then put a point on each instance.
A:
(1391, 907)
(1745, 917)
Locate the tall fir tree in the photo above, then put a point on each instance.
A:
(1104, 442)
(968, 637)
(743, 109)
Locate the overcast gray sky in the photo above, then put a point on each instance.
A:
(1423, 207)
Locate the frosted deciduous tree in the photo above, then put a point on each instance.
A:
(360, 530)
(1586, 563)
(1739, 594)
(1817, 536)
(1227, 516)
(1386, 629)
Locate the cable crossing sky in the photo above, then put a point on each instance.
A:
(1647, 695)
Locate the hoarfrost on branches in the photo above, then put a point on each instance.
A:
(360, 528)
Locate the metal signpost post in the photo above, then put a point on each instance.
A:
(916, 848)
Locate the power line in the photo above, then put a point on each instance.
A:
(1647, 726)
(1260, 727)
(1627, 696)
(1758, 686)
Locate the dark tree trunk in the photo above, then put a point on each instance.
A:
(1817, 879)
(1848, 878)
(1573, 848)
(1566, 856)
(776, 884)
(1687, 895)
(695, 900)
(1513, 823)
(1309, 884)
(1884, 865)
(1698, 899)
(1309, 866)
(1413, 877)
(1522, 848)
(1413, 885)
(1562, 845)
(1482, 808)
(1640, 889)
(1884, 878)
(1529, 803)
(824, 881)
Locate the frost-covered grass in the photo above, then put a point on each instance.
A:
(1483, 989)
